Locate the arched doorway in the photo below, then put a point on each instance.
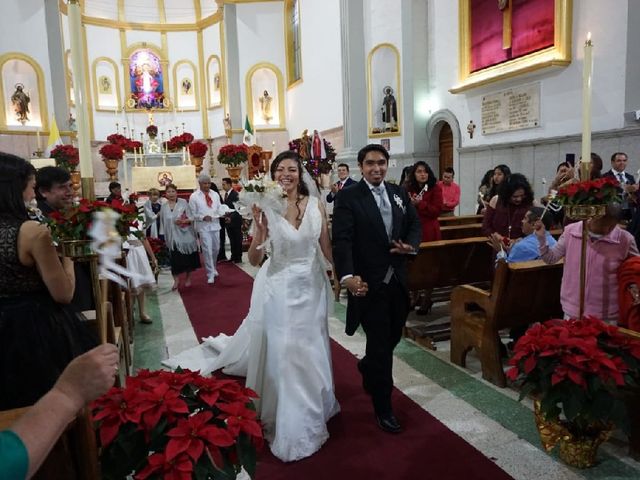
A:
(445, 142)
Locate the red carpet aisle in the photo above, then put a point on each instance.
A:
(356, 449)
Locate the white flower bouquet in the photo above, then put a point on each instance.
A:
(264, 193)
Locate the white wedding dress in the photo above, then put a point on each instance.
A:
(282, 346)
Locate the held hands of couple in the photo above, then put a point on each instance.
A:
(399, 247)
(356, 286)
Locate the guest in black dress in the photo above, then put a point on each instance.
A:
(39, 333)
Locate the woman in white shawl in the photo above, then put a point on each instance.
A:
(177, 223)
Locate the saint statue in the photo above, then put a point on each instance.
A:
(72, 123)
(316, 146)
(20, 101)
(389, 110)
(305, 145)
(227, 125)
(265, 106)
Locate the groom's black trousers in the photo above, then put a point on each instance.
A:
(382, 323)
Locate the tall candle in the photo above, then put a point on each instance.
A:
(184, 156)
(586, 109)
(126, 168)
(38, 139)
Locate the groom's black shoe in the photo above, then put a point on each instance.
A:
(388, 423)
(364, 382)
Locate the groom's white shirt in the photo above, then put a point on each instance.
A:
(200, 209)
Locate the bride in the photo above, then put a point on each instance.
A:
(282, 346)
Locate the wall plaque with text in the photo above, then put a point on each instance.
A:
(512, 109)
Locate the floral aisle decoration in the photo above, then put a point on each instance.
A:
(179, 142)
(588, 199)
(66, 156)
(198, 149)
(160, 250)
(576, 370)
(177, 425)
(111, 151)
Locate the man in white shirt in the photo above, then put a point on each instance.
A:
(205, 205)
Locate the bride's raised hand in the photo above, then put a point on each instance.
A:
(259, 218)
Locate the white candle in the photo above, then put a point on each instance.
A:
(184, 156)
(586, 108)
(38, 139)
(126, 168)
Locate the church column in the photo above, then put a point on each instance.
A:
(57, 64)
(80, 93)
(354, 91)
(232, 64)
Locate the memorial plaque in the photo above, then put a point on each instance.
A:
(512, 109)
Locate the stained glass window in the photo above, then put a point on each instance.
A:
(146, 80)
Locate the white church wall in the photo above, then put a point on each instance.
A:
(260, 39)
(383, 24)
(211, 46)
(316, 102)
(535, 152)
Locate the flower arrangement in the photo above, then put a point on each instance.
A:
(233, 155)
(73, 223)
(263, 192)
(590, 192)
(111, 151)
(576, 368)
(133, 145)
(67, 157)
(159, 249)
(316, 166)
(152, 131)
(177, 425)
(123, 142)
(179, 141)
(198, 149)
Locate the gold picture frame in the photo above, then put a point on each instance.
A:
(557, 55)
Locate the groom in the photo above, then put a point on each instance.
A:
(375, 227)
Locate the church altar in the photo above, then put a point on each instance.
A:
(141, 172)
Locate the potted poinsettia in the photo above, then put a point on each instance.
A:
(177, 425)
(197, 151)
(576, 370)
(111, 154)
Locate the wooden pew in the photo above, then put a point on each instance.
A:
(461, 220)
(521, 294)
(445, 264)
(467, 230)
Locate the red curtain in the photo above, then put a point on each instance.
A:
(532, 27)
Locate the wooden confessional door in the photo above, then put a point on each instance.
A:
(446, 148)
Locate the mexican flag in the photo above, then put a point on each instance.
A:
(248, 138)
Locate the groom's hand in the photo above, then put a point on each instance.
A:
(402, 248)
(356, 286)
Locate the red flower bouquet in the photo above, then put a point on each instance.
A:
(575, 368)
(66, 156)
(152, 131)
(590, 192)
(112, 151)
(179, 141)
(233, 155)
(177, 425)
(73, 223)
(117, 139)
(198, 149)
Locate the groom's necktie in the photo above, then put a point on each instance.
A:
(382, 199)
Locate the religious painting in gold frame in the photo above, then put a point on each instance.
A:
(557, 53)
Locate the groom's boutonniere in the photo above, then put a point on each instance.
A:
(398, 201)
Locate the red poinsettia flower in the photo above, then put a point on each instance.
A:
(239, 418)
(193, 433)
(162, 400)
(113, 410)
(159, 466)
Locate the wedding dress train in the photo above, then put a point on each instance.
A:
(282, 346)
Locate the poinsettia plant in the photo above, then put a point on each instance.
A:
(177, 425)
(111, 151)
(576, 368)
(600, 191)
(66, 156)
(233, 155)
(198, 149)
(73, 223)
(178, 142)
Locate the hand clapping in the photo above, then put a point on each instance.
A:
(401, 247)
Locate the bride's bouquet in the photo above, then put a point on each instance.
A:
(263, 192)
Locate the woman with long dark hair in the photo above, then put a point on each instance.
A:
(426, 196)
(505, 211)
(39, 333)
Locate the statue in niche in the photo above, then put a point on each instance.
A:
(316, 146)
(216, 81)
(265, 106)
(105, 85)
(72, 123)
(389, 110)
(227, 125)
(305, 145)
(20, 101)
(186, 86)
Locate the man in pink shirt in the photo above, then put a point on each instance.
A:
(450, 193)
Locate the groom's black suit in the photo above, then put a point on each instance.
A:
(361, 247)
